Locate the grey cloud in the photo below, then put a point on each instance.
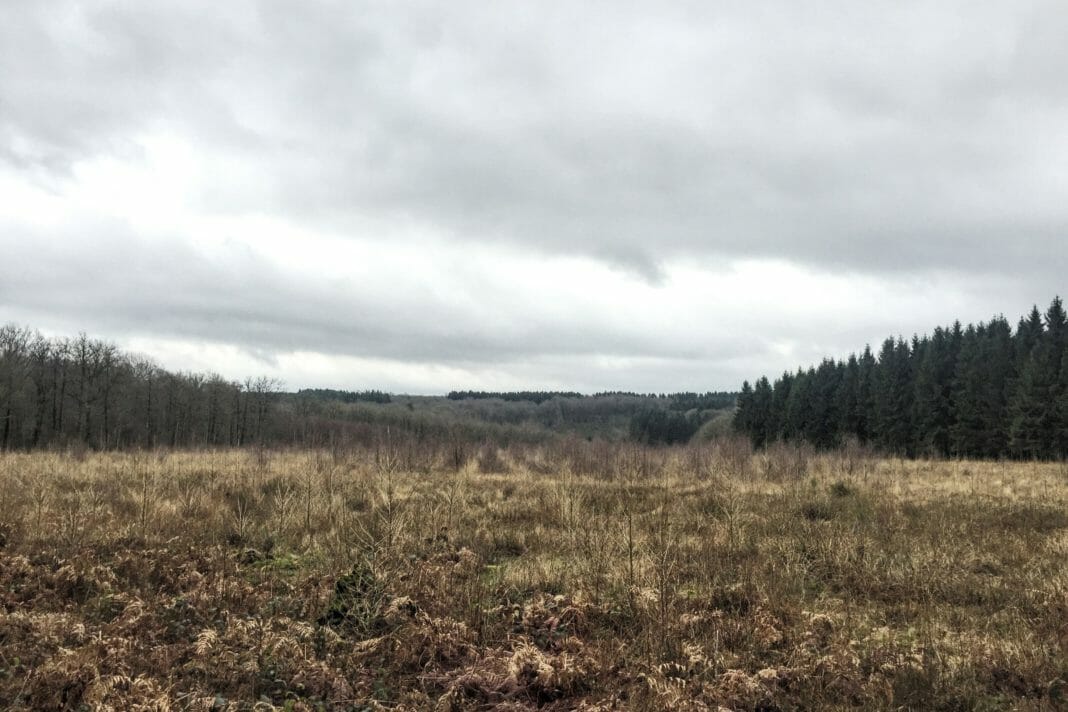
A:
(121, 284)
(118, 285)
(917, 141)
(898, 137)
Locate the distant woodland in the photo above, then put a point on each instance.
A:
(984, 391)
(82, 392)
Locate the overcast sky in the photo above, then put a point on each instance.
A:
(586, 195)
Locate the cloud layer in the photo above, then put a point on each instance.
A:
(598, 195)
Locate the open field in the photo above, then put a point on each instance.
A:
(580, 577)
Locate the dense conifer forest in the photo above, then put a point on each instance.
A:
(982, 391)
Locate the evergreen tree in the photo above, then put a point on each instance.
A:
(1035, 401)
(1056, 334)
(931, 411)
(743, 416)
(1028, 334)
(779, 396)
(1032, 412)
(1056, 341)
(761, 431)
(967, 432)
(999, 365)
(1060, 412)
(979, 396)
(822, 426)
(893, 397)
(847, 397)
(799, 406)
(864, 419)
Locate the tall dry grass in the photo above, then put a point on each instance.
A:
(577, 575)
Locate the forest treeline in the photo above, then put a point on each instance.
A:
(68, 392)
(538, 397)
(984, 391)
(654, 418)
(677, 417)
(332, 394)
(686, 400)
(65, 391)
(655, 426)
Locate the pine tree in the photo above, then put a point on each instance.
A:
(743, 416)
(1056, 340)
(846, 398)
(1060, 412)
(761, 428)
(822, 426)
(893, 397)
(1032, 423)
(997, 367)
(1035, 401)
(799, 405)
(931, 411)
(1056, 322)
(779, 396)
(967, 431)
(1028, 334)
(980, 386)
(865, 419)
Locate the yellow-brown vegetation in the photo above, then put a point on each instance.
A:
(577, 577)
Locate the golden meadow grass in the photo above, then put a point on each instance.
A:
(531, 578)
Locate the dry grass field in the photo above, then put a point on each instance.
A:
(568, 578)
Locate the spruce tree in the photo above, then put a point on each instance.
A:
(1056, 341)
(743, 416)
(822, 426)
(846, 398)
(1060, 412)
(780, 394)
(799, 405)
(997, 359)
(1056, 334)
(980, 386)
(865, 419)
(1028, 334)
(967, 431)
(1032, 423)
(893, 397)
(1035, 401)
(761, 419)
(931, 412)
